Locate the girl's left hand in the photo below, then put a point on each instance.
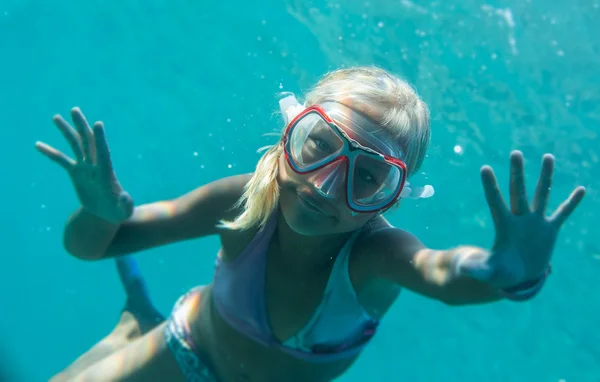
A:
(525, 236)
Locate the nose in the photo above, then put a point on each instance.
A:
(330, 181)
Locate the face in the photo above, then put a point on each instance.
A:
(309, 213)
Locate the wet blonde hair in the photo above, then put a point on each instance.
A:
(405, 118)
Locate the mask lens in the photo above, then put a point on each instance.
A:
(313, 142)
(374, 181)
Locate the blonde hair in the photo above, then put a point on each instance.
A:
(406, 119)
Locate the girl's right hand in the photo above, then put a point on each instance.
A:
(91, 172)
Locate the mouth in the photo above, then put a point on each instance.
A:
(314, 205)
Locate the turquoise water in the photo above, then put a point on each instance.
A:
(186, 91)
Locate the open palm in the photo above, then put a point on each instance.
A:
(91, 172)
(525, 235)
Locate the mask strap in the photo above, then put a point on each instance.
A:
(290, 108)
(412, 192)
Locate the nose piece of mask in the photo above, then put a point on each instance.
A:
(328, 180)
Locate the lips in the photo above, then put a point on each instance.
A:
(314, 204)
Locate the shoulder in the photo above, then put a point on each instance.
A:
(372, 255)
(380, 237)
(380, 245)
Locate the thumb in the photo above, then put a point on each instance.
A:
(126, 204)
(475, 267)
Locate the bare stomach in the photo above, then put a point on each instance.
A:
(236, 358)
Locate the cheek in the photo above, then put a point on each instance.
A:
(284, 170)
(287, 176)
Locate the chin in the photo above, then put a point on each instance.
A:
(304, 220)
(301, 219)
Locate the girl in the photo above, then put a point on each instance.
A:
(308, 265)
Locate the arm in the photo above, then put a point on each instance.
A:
(404, 260)
(192, 215)
(516, 269)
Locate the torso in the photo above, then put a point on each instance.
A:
(291, 300)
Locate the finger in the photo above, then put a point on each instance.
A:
(85, 132)
(70, 135)
(542, 191)
(563, 211)
(55, 155)
(493, 196)
(518, 196)
(102, 150)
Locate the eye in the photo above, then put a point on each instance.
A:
(366, 176)
(322, 145)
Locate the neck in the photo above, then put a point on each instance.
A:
(306, 253)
